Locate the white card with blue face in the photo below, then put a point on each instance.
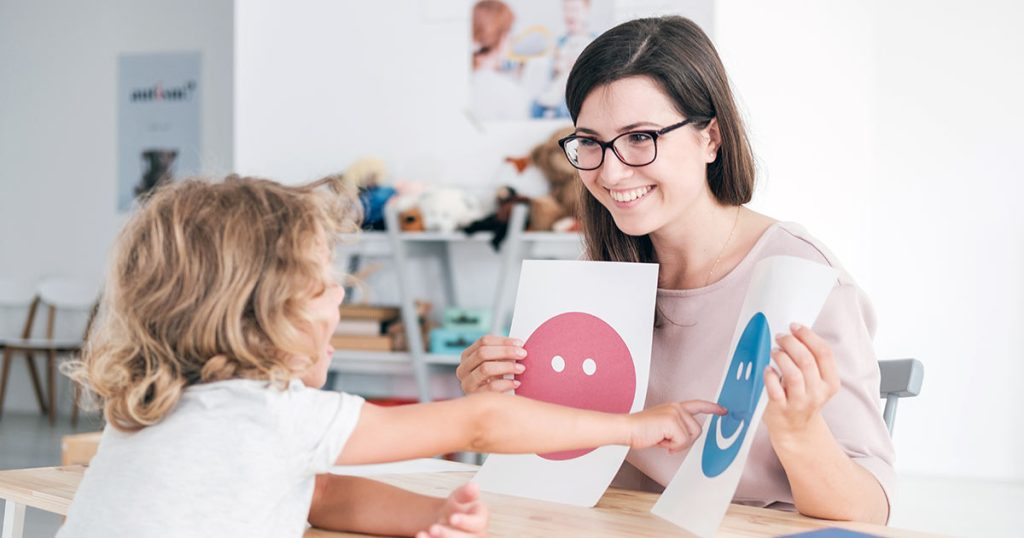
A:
(783, 290)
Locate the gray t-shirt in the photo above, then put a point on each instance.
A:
(234, 458)
(693, 331)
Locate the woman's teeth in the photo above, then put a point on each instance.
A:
(630, 195)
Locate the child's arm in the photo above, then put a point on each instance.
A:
(502, 423)
(349, 503)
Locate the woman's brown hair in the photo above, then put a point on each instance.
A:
(207, 283)
(676, 54)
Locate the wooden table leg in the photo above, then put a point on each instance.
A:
(14, 520)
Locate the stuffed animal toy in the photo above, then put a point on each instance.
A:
(369, 174)
(506, 198)
(411, 220)
(561, 175)
(448, 209)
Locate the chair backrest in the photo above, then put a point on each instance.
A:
(901, 378)
(74, 297)
(16, 300)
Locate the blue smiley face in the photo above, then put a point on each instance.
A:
(740, 394)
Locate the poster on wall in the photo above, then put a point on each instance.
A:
(157, 121)
(587, 328)
(522, 51)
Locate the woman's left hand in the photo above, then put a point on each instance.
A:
(809, 378)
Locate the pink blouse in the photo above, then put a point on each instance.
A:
(693, 330)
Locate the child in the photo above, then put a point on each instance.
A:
(213, 337)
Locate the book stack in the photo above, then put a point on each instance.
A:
(365, 327)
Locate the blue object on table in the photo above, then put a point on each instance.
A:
(830, 532)
(452, 341)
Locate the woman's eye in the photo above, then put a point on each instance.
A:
(639, 138)
(586, 142)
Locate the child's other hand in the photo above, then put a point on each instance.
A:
(463, 515)
(670, 425)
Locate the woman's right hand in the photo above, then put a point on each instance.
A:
(670, 425)
(484, 365)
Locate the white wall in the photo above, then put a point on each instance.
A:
(58, 117)
(891, 131)
(949, 241)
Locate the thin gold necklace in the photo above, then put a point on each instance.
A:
(735, 220)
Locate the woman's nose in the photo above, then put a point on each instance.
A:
(612, 170)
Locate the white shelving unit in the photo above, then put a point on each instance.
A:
(403, 246)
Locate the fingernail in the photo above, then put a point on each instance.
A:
(520, 368)
(795, 327)
(516, 384)
(779, 336)
(435, 530)
(775, 349)
(521, 352)
(517, 342)
(456, 519)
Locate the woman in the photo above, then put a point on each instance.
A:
(663, 154)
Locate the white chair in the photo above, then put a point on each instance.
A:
(67, 296)
(17, 304)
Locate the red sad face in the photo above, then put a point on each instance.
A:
(578, 360)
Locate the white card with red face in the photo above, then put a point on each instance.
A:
(587, 328)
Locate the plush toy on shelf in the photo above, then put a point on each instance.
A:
(564, 189)
(369, 175)
(447, 209)
(505, 198)
(555, 211)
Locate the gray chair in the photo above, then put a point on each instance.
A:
(901, 378)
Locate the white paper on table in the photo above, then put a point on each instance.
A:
(421, 465)
(588, 328)
(783, 290)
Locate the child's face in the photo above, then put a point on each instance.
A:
(323, 308)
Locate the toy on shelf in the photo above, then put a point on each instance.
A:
(447, 209)
(462, 327)
(555, 211)
(369, 175)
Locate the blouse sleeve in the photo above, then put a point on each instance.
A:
(847, 323)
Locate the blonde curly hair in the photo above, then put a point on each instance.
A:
(209, 282)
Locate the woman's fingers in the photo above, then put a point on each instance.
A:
(801, 356)
(773, 385)
(822, 352)
(792, 377)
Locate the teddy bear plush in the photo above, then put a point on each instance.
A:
(563, 188)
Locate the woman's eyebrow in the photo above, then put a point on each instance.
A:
(624, 129)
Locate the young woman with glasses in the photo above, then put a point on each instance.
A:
(664, 157)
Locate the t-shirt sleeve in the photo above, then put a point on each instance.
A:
(320, 422)
(854, 415)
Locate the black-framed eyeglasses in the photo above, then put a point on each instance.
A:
(635, 148)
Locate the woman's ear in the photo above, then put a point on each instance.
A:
(712, 140)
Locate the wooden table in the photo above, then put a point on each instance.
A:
(619, 513)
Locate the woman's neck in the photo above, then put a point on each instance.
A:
(695, 251)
